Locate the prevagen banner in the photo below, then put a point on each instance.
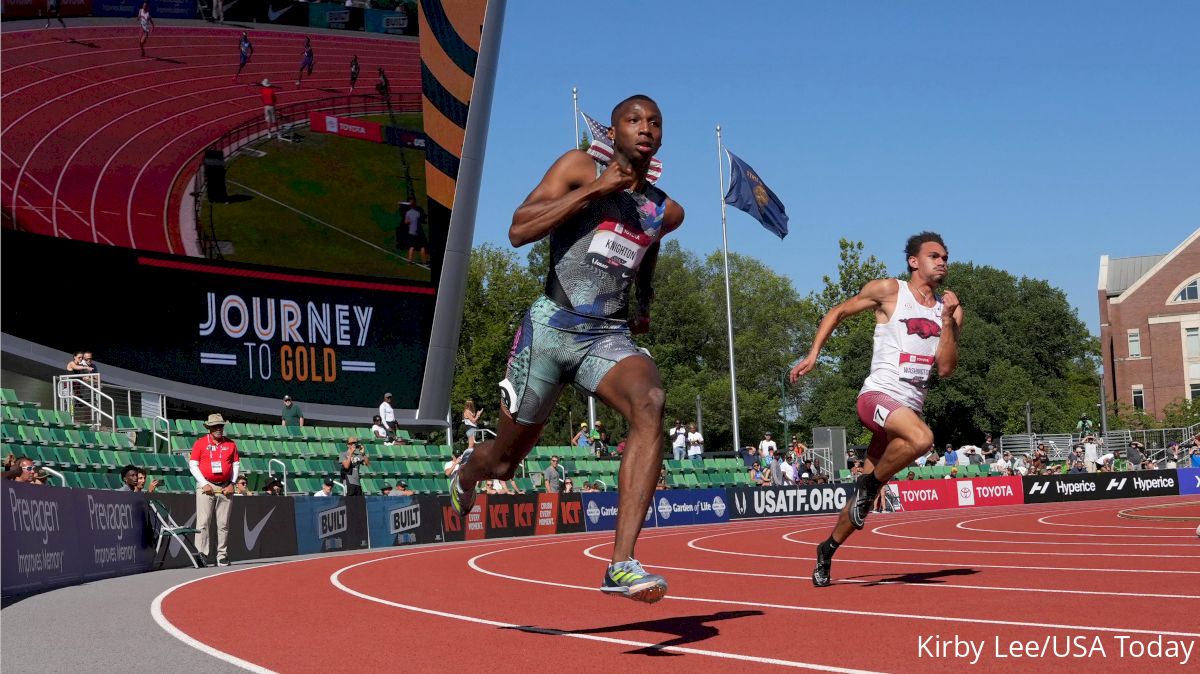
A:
(328, 523)
(39, 532)
(159, 9)
(824, 499)
(114, 533)
(600, 511)
(690, 506)
(403, 520)
(1189, 480)
(349, 127)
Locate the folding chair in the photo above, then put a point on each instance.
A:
(168, 527)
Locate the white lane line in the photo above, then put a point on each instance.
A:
(787, 537)
(335, 580)
(1042, 520)
(588, 553)
(473, 563)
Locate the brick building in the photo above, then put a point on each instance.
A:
(1150, 327)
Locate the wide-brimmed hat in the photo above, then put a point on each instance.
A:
(266, 82)
(214, 420)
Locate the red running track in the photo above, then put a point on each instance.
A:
(740, 599)
(94, 135)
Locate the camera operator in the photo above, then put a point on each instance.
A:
(353, 460)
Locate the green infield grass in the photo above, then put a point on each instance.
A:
(326, 203)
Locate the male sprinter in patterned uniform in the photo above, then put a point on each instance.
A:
(915, 330)
(605, 225)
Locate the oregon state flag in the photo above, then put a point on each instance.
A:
(748, 193)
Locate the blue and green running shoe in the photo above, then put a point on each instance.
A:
(629, 579)
(461, 501)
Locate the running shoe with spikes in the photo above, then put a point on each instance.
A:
(820, 575)
(629, 579)
(864, 496)
(462, 501)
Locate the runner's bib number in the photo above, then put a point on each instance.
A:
(915, 368)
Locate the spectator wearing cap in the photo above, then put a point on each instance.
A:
(215, 464)
(402, 489)
(326, 488)
(380, 432)
(268, 100)
(1134, 455)
(951, 455)
(767, 446)
(353, 460)
(292, 415)
(386, 413)
(385, 490)
(273, 488)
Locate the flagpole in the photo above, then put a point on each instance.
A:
(575, 144)
(737, 440)
(575, 101)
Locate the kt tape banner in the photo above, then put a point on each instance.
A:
(749, 502)
(559, 513)
(511, 515)
(403, 520)
(473, 527)
(329, 523)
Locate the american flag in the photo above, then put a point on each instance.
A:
(601, 148)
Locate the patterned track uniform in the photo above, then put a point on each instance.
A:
(577, 332)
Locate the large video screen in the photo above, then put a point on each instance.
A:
(252, 209)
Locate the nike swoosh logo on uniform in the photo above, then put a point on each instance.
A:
(272, 15)
(251, 535)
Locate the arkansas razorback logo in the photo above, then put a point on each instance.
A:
(922, 327)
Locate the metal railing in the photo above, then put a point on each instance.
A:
(282, 469)
(287, 117)
(80, 396)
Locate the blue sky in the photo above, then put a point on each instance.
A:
(1034, 136)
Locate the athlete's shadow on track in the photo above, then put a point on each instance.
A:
(687, 630)
(81, 43)
(923, 578)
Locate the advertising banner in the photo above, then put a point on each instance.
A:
(399, 137)
(13, 9)
(779, 501)
(473, 527)
(391, 22)
(988, 491)
(558, 513)
(334, 16)
(690, 506)
(511, 515)
(159, 9)
(114, 533)
(403, 520)
(279, 13)
(39, 531)
(349, 127)
(260, 527)
(1189, 480)
(927, 494)
(1080, 487)
(327, 523)
(600, 511)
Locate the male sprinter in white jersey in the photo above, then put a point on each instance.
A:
(915, 330)
(605, 225)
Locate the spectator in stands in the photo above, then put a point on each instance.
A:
(353, 460)
(78, 365)
(989, 451)
(695, 443)
(1134, 455)
(513, 487)
(581, 437)
(22, 470)
(662, 479)
(553, 476)
(380, 431)
(470, 420)
(450, 465)
(215, 464)
(292, 415)
(974, 455)
(798, 449)
(129, 479)
(951, 455)
(9, 462)
(589, 488)
(386, 413)
(568, 486)
(240, 488)
(953, 474)
(1039, 460)
(758, 476)
(385, 490)
(599, 440)
(911, 476)
(1195, 451)
(1019, 465)
(776, 473)
(1077, 467)
(402, 489)
(141, 482)
(274, 488)
(1173, 455)
(767, 445)
(748, 454)
(326, 488)
(1091, 449)
(1004, 464)
(1085, 425)
(493, 487)
(855, 470)
(678, 435)
(1105, 463)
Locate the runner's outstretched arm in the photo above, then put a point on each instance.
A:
(871, 296)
